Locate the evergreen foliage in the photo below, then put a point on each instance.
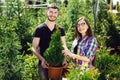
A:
(9, 49)
(29, 69)
(107, 27)
(106, 64)
(53, 54)
(75, 73)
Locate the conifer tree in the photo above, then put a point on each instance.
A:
(53, 54)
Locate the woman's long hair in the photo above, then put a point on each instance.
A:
(89, 32)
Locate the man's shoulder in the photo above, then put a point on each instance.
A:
(60, 27)
(57, 25)
(61, 30)
(42, 25)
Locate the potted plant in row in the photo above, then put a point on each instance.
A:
(54, 56)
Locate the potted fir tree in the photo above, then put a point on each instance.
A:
(54, 55)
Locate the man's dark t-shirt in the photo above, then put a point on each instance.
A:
(44, 33)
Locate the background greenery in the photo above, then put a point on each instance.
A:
(17, 23)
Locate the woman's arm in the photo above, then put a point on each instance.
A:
(70, 54)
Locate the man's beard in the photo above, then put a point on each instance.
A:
(51, 20)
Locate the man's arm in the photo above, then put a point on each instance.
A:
(64, 42)
(65, 48)
(35, 46)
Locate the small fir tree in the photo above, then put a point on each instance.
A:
(53, 54)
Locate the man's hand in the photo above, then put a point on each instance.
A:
(65, 64)
(44, 64)
(66, 52)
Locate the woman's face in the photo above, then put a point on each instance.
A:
(82, 27)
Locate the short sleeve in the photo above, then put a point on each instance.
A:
(37, 32)
(62, 31)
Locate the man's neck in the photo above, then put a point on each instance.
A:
(50, 24)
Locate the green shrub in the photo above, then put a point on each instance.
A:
(53, 54)
(29, 70)
(77, 74)
(107, 64)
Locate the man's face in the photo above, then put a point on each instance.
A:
(52, 14)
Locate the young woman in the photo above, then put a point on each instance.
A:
(84, 45)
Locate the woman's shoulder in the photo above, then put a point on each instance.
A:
(75, 41)
(92, 38)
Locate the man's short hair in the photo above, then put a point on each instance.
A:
(53, 5)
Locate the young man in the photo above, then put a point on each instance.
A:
(42, 37)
